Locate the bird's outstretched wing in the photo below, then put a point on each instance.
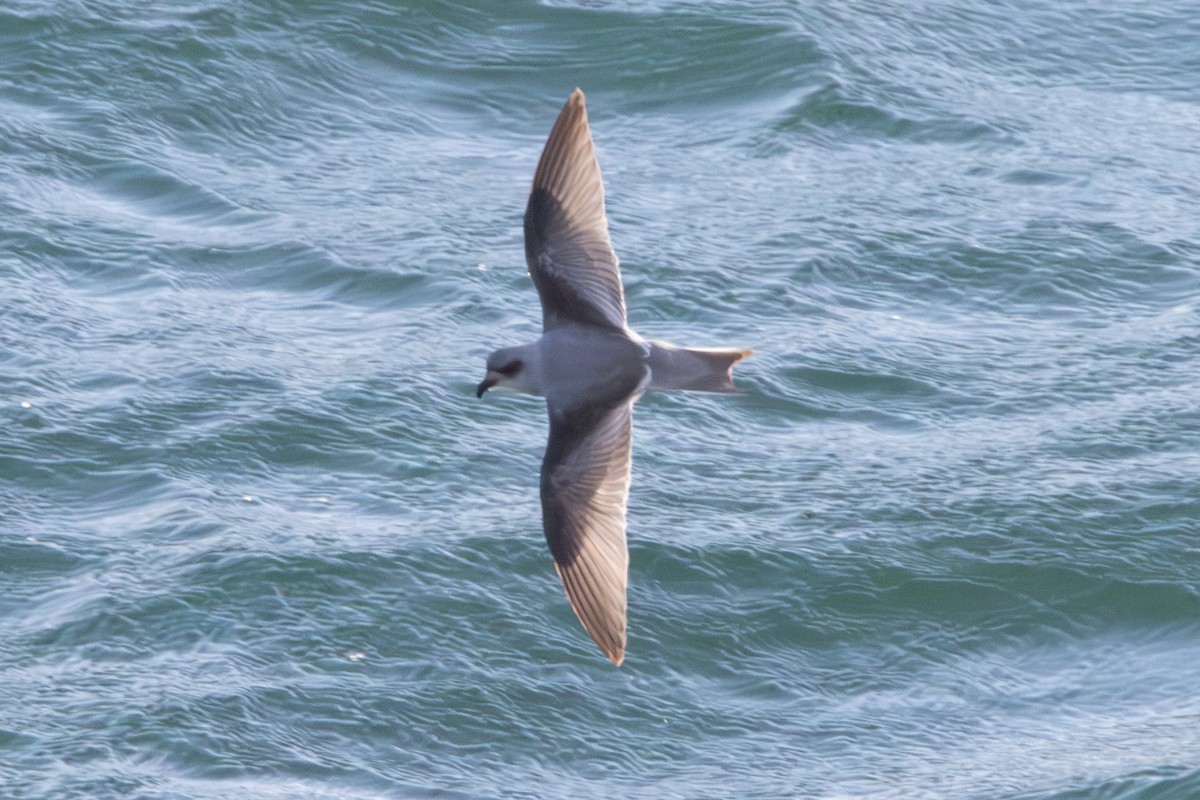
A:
(585, 482)
(570, 256)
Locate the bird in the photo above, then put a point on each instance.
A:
(590, 367)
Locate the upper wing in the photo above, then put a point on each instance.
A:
(567, 247)
(585, 481)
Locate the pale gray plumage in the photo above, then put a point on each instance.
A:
(591, 368)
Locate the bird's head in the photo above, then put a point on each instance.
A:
(506, 369)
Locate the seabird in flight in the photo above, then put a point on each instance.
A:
(591, 368)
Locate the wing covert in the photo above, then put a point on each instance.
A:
(567, 247)
(585, 483)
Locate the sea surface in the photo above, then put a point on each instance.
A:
(258, 538)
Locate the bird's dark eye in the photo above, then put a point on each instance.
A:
(511, 368)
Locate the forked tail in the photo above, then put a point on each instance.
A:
(698, 369)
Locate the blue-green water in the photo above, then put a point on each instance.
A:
(258, 539)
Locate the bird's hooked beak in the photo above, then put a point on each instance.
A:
(491, 380)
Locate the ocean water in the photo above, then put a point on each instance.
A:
(258, 539)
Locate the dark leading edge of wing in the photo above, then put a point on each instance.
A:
(567, 247)
(585, 481)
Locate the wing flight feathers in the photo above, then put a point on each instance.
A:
(567, 247)
(585, 483)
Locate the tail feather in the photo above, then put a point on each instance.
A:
(698, 369)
